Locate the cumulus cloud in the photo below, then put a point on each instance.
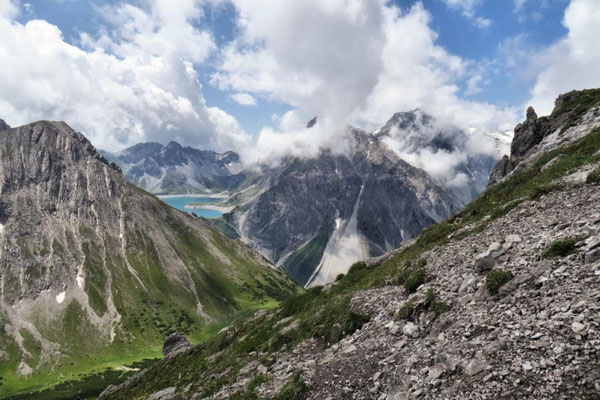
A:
(243, 99)
(133, 82)
(349, 62)
(468, 9)
(444, 163)
(572, 62)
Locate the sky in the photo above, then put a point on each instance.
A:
(247, 75)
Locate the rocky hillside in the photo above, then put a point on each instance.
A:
(94, 270)
(173, 169)
(499, 301)
(316, 216)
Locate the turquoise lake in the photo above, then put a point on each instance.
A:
(180, 203)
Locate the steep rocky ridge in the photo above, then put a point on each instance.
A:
(536, 136)
(93, 269)
(499, 301)
(174, 169)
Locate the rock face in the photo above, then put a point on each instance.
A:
(175, 343)
(173, 169)
(536, 136)
(3, 125)
(89, 261)
(317, 216)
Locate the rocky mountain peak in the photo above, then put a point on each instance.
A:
(3, 125)
(311, 123)
(44, 149)
(531, 115)
(534, 135)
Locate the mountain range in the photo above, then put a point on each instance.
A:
(94, 270)
(174, 169)
(315, 216)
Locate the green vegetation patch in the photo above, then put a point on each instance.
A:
(409, 310)
(594, 176)
(302, 262)
(412, 275)
(561, 248)
(497, 278)
(295, 389)
(577, 103)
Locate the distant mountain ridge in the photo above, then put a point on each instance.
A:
(174, 169)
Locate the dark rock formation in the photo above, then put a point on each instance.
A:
(311, 123)
(568, 111)
(3, 125)
(303, 202)
(175, 343)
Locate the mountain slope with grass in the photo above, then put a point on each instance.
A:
(95, 272)
(499, 301)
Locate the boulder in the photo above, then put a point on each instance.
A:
(175, 343)
(475, 367)
(411, 330)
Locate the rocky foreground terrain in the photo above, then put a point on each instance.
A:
(500, 301)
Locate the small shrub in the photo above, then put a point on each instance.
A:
(404, 273)
(357, 267)
(438, 307)
(416, 278)
(407, 311)
(496, 278)
(594, 176)
(561, 248)
(339, 277)
(542, 190)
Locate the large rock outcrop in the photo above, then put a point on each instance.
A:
(572, 111)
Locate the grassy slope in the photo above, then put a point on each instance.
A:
(325, 314)
(226, 288)
(301, 263)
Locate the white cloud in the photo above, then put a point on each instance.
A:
(243, 99)
(347, 61)
(468, 9)
(134, 82)
(8, 9)
(573, 62)
(519, 5)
